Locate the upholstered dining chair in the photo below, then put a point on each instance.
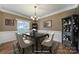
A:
(23, 42)
(47, 42)
(15, 47)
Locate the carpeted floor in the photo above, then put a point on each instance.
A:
(57, 48)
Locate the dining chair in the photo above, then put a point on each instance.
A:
(15, 47)
(23, 42)
(47, 42)
(28, 37)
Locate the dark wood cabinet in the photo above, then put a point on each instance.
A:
(70, 32)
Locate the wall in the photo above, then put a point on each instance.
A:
(0, 21)
(7, 36)
(4, 16)
(57, 34)
(56, 20)
(7, 33)
(5, 27)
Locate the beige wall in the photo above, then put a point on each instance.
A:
(0, 21)
(56, 20)
(4, 16)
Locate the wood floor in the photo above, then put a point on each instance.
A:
(7, 48)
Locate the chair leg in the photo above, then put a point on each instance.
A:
(19, 48)
(23, 50)
(42, 48)
(50, 50)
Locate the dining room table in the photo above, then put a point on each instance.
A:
(37, 38)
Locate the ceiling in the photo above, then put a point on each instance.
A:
(42, 9)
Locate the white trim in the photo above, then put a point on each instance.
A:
(65, 9)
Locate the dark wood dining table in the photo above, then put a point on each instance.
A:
(36, 37)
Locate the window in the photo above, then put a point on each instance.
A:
(23, 26)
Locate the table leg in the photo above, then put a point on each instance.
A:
(36, 46)
(33, 48)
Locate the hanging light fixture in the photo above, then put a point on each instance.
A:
(35, 17)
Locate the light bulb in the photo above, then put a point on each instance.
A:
(31, 17)
(37, 19)
(35, 16)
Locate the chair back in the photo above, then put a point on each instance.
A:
(49, 38)
(17, 37)
(27, 37)
(48, 41)
(20, 41)
(52, 37)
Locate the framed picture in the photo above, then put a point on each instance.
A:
(48, 24)
(9, 22)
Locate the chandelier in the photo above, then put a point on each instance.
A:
(35, 17)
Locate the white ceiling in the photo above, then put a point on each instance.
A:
(28, 9)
